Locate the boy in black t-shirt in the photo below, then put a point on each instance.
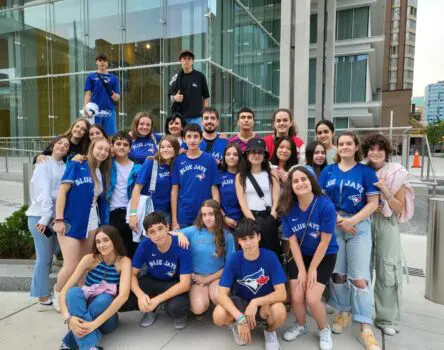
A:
(256, 281)
(188, 90)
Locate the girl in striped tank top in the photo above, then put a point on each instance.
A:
(92, 309)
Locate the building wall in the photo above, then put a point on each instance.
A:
(434, 102)
(399, 103)
(47, 48)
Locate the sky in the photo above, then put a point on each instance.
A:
(429, 53)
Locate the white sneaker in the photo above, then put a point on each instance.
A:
(295, 331)
(56, 300)
(389, 331)
(43, 306)
(271, 341)
(237, 339)
(325, 341)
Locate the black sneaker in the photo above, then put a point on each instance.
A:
(63, 346)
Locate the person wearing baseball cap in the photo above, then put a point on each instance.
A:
(188, 90)
(258, 193)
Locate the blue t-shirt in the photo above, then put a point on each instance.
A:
(252, 279)
(162, 194)
(323, 219)
(143, 147)
(195, 178)
(217, 148)
(99, 95)
(79, 198)
(228, 198)
(163, 266)
(349, 190)
(203, 250)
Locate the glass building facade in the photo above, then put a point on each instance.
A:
(48, 47)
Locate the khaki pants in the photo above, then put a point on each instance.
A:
(387, 255)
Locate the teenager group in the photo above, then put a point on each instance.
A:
(187, 220)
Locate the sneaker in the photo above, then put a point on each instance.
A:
(389, 331)
(180, 323)
(63, 346)
(325, 341)
(271, 341)
(295, 331)
(368, 339)
(343, 320)
(43, 306)
(237, 339)
(56, 300)
(148, 319)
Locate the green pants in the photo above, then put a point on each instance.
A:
(387, 256)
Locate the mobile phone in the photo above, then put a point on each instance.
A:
(67, 226)
(48, 231)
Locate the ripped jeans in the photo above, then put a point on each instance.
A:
(353, 260)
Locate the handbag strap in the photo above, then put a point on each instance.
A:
(306, 223)
(256, 186)
(153, 181)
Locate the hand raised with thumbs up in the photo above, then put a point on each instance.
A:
(178, 97)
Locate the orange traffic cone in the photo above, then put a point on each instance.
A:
(416, 160)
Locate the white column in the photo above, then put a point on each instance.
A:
(301, 56)
(285, 78)
(320, 55)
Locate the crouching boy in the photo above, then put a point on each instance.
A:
(168, 277)
(256, 280)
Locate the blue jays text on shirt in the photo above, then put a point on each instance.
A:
(227, 182)
(166, 263)
(149, 144)
(357, 198)
(195, 167)
(255, 281)
(302, 226)
(83, 180)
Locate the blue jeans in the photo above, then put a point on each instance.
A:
(44, 250)
(88, 311)
(195, 120)
(108, 123)
(353, 260)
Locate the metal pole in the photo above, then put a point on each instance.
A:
(434, 289)
(391, 126)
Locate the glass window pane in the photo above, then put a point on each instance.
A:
(312, 81)
(344, 25)
(313, 28)
(359, 75)
(360, 22)
(343, 79)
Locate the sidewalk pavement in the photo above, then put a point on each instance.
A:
(22, 327)
(11, 198)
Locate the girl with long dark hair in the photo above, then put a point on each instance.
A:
(144, 139)
(284, 157)
(254, 177)
(316, 157)
(325, 133)
(309, 220)
(91, 310)
(230, 166)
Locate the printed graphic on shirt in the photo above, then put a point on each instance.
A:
(255, 281)
(356, 199)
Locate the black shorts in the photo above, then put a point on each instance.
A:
(325, 268)
(242, 305)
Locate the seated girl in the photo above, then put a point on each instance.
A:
(92, 309)
(210, 245)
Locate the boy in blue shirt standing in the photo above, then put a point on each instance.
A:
(257, 283)
(195, 178)
(211, 142)
(102, 88)
(168, 277)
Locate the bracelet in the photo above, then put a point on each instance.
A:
(241, 319)
(132, 214)
(59, 220)
(133, 211)
(66, 317)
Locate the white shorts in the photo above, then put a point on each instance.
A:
(93, 221)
